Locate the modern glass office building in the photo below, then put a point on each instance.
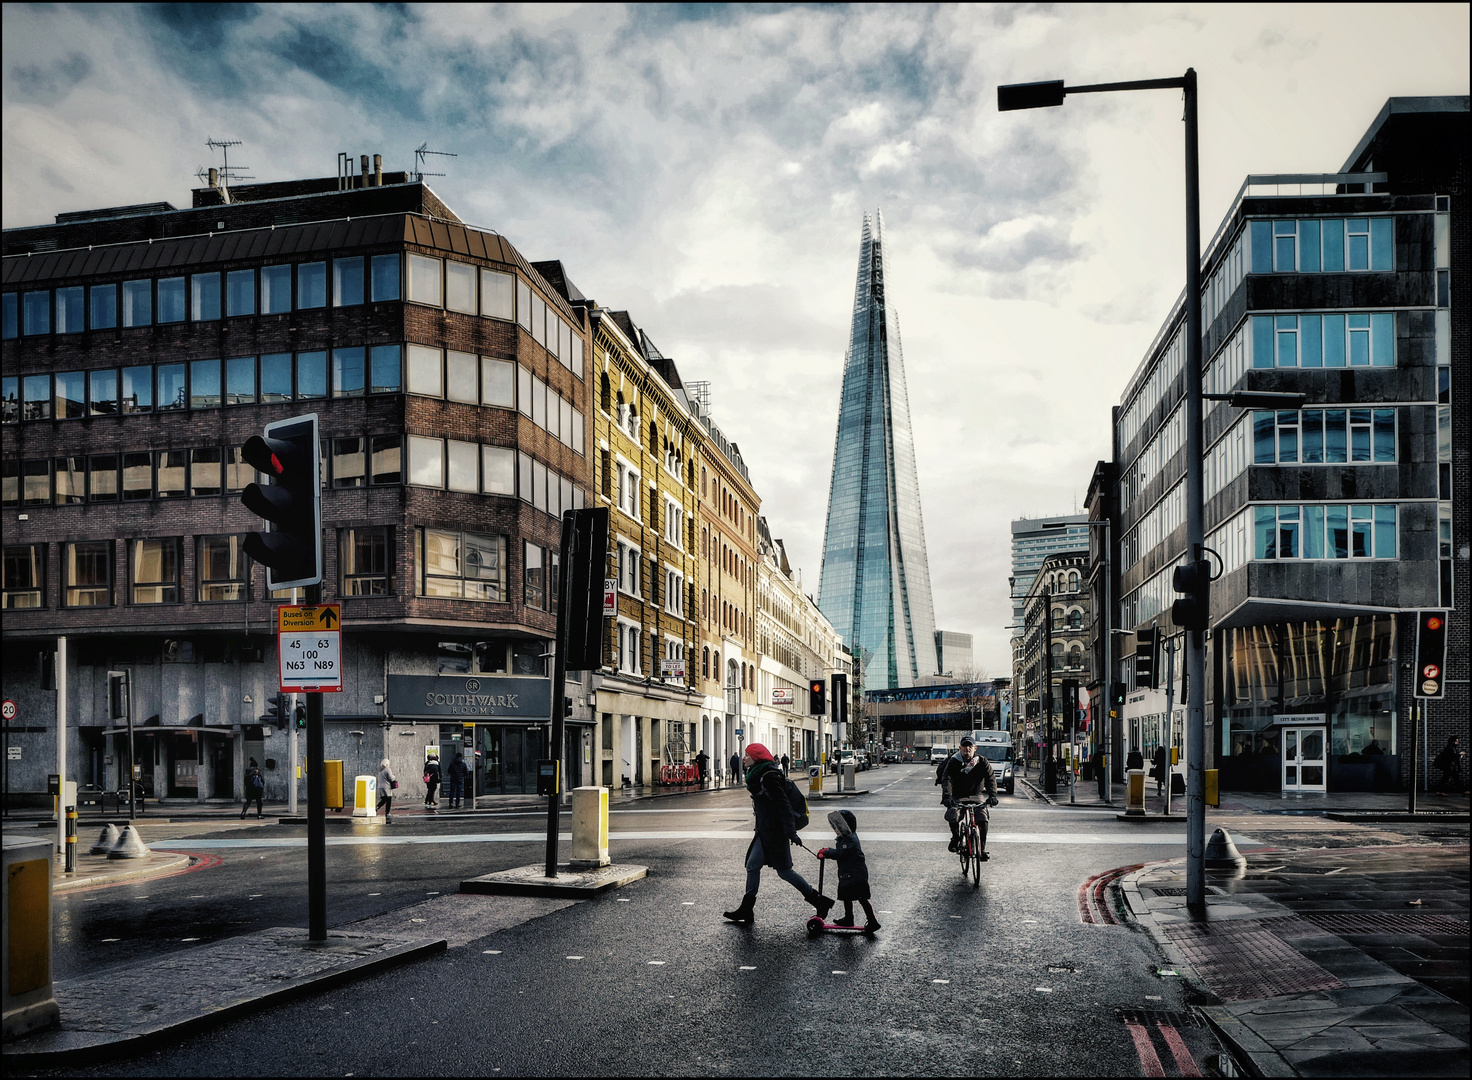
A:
(875, 585)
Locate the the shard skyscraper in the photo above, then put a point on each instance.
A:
(875, 585)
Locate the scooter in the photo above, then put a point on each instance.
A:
(816, 924)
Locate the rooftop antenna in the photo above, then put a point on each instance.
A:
(225, 175)
(419, 156)
(700, 392)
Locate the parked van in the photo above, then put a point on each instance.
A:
(996, 746)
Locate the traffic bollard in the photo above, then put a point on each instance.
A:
(71, 839)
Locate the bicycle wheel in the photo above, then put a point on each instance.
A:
(965, 852)
(975, 845)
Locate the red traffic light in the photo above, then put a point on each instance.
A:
(1433, 622)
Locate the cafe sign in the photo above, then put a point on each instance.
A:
(469, 697)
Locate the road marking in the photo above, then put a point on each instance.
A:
(189, 939)
(490, 952)
(108, 940)
(746, 969)
(1178, 1049)
(575, 958)
(840, 973)
(1149, 1060)
(1043, 989)
(942, 982)
(688, 903)
(656, 963)
(623, 900)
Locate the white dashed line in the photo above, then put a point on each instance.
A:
(490, 952)
(575, 958)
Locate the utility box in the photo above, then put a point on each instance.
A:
(365, 796)
(589, 828)
(1213, 789)
(848, 777)
(815, 779)
(30, 1001)
(1134, 803)
(332, 776)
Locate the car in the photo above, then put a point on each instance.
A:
(890, 757)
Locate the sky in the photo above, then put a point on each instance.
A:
(707, 168)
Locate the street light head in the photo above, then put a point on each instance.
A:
(1035, 95)
(1259, 399)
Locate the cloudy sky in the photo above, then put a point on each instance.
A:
(707, 168)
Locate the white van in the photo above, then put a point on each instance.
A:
(996, 747)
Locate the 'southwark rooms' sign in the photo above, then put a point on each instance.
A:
(469, 697)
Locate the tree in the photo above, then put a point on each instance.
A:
(973, 694)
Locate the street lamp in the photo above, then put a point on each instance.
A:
(1047, 94)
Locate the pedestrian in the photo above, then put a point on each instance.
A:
(853, 869)
(431, 782)
(456, 787)
(1158, 769)
(785, 762)
(734, 769)
(1449, 761)
(255, 789)
(1373, 750)
(387, 784)
(1134, 759)
(776, 829)
(702, 762)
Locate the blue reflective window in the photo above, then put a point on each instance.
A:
(1336, 525)
(1285, 247)
(311, 375)
(347, 372)
(171, 387)
(240, 380)
(1313, 532)
(1385, 532)
(1334, 341)
(1359, 340)
(1382, 338)
(69, 310)
(347, 281)
(311, 285)
(1287, 353)
(1357, 243)
(1382, 243)
(276, 377)
(240, 292)
(138, 303)
(387, 370)
(1336, 437)
(1310, 341)
(138, 389)
(171, 300)
(1333, 245)
(385, 277)
(1287, 437)
(1262, 247)
(1312, 425)
(1287, 532)
(1308, 246)
(1361, 532)
(1264, 529)
(1263, 439)
(204, 297)
(1262, 341)
(103, 301)
(275, 290)
(204, 384)
(11, 319)
(1384, 434)
(38, 312)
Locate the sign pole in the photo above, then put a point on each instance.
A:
(559, 684)
(316, 806)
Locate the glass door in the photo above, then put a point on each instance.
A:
(1304, 762)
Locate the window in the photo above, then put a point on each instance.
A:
(347, 372)
(205, 471)
(311, 375)
(459, 286)
(38, 313)
(523, 305)
(534, 575)
(311, 285)
(1356, 339)
(347, 282)
(497, 295)
(385, 277)
(71, 397)
(674, 592)
(387, 459)
(464, 565)
(71, 480)
(171, 300)
(463, 465)
(137, 476)
(222, 569)
(9, 483)
(35, 393)
(426, 461)
(240, 380)
(367, 561)
(426, 373)
(102, 478)
(275, 290)
(69, 312)
(348, 463)
(137, 304)
(11, 317)
(89, 574)
(1324, 436)
(171, 473)
(103, 301)
(628, 491)
(204, 296)
(25, 576)
(461, 377)
(240, 292)
(276, 381)
(424, 280)
(631, 644)
(1356, 531)
(171, 389)
(237, 473)
(385, 369)
(155, 571)
(1329, 245)
(498, 470)
(628, 568)
(497, 382)
(204, 384)
(674, 523)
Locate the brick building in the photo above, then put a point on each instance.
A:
(144, 344)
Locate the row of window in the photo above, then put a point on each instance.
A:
(1323, 436)
(1323, 245)
(203, 297)
(1353, 339)
(666, 653)
(1155, 527)
(205, 384)
(666, 583)
(456, 465)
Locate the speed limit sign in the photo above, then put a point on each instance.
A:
(8, 710)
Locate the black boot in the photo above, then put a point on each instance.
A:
(820, 902)
(746, 913)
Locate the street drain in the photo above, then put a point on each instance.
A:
(1168, 1017)
(1058, 970)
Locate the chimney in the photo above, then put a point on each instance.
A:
(214, 178)
(364, 160)
(378, 170)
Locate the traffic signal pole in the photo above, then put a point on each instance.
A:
(316, 806)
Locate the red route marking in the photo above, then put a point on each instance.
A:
(200, 862)
(1178, 1049)
(1149, 1060)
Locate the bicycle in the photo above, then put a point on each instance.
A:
(970, 850)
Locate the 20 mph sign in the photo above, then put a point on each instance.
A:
(309, 643)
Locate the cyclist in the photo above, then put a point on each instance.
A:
(967, 775)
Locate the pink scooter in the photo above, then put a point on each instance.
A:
(816, 924)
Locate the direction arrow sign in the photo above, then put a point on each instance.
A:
(309, 645)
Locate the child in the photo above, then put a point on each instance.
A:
(853, 871)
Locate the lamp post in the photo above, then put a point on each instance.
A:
(1046, 94)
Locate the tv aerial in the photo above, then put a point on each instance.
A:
(421, 153)
(227, 175)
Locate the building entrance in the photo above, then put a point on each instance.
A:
(1304, 763)
(506, 759)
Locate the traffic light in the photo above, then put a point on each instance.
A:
(839, 686)
(1430, 679)
(301, 717)
(1116, 697)
(1147, 653)
(117, 695)
(1193, 610)
(1070, 701)
(288, 454)
(817, 698)
(278, 711)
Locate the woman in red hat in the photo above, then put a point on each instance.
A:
(776, 828)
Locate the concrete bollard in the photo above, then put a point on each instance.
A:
(107, 841)
(1134, 804)
(589, 828)
(1222, 854)
(129, 846)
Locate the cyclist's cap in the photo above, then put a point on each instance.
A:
(968, 742)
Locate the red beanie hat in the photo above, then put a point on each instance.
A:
(757, 752)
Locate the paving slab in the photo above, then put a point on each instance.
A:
(533, 881)
(134, 1006)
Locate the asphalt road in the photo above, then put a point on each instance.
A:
(1001, 979)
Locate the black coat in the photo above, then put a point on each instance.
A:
(853, 870)
(432, 770)
(774, 820)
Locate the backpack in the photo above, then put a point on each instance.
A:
(940, 770)
(799, 804)
(255, 782)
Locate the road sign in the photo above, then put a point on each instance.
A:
(8, 710)
(309, 644)
(781, 695)
(610, 597)
(740, 731)
(12, 753)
